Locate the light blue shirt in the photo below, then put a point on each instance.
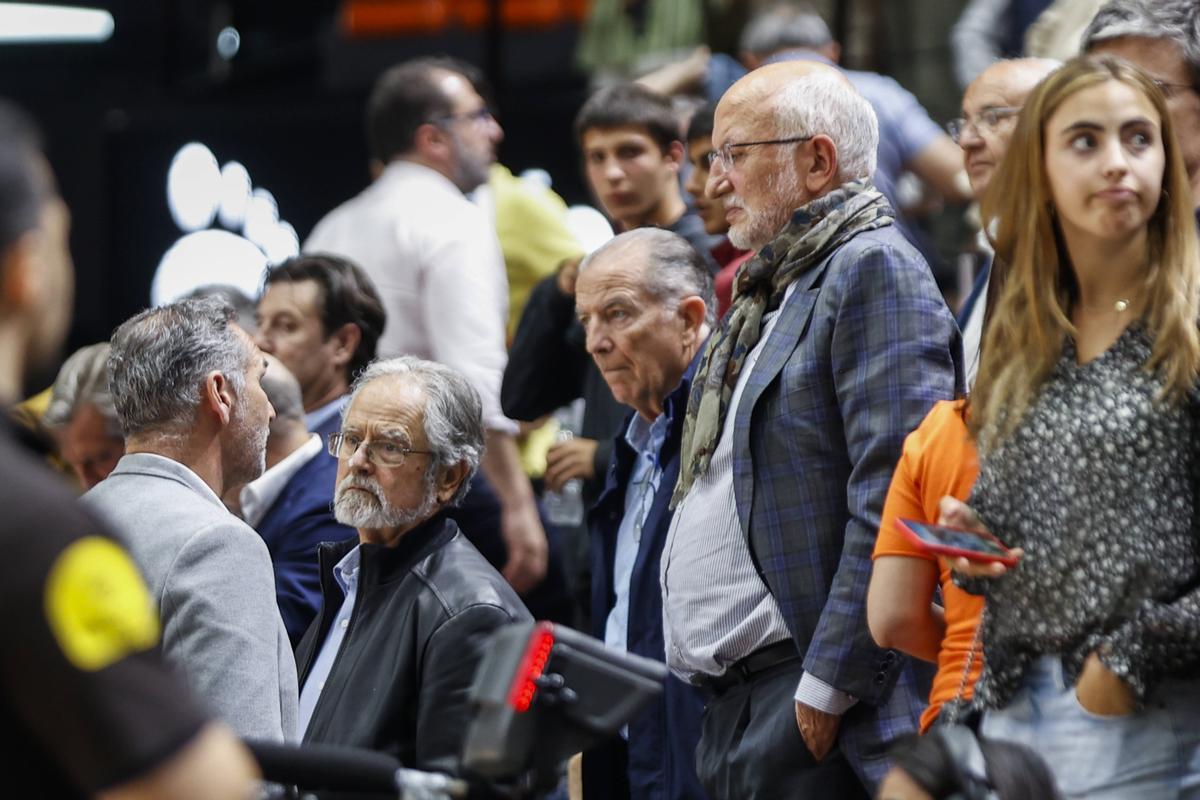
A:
(316, 418)
(346, 574)
(646, 439)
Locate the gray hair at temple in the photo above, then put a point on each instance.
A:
(784, 26)
(1175, 20)
(83, 381)
(161, 356)
(674, 270)
(827, 103)
(453, 412)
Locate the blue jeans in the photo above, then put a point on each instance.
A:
(1151, 755)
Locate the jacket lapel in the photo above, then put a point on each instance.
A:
(789, 331)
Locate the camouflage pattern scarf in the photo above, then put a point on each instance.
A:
(814, 231)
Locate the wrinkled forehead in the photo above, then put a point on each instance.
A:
(392, 403)
(621, 268)
(743, 120)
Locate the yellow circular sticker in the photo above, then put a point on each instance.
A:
(97, 604)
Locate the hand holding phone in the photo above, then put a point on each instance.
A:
(954, 543)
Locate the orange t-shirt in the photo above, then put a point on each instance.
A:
(938, 459)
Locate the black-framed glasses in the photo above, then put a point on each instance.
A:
(724, 153)
(987, 120)
(380, 452)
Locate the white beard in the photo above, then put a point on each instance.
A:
(372, 510)
(758, 227)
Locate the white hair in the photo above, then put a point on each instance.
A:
(824, 103)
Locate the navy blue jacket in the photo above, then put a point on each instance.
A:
(662, 741)
(299, 520)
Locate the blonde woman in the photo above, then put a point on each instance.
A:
(1084, 416)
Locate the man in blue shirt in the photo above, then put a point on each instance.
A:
(645, 301)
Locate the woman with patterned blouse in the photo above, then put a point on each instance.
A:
(1084, 416)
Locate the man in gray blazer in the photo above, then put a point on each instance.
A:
(186, 384)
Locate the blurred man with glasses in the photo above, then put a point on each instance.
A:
(435, 260)
(408, 606)
(990, 107)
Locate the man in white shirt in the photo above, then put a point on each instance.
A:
(435, 260)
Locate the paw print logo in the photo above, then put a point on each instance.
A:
(231, 231)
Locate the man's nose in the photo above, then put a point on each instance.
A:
(717, 183)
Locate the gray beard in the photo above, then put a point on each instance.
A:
(372, 511)
(759, 228)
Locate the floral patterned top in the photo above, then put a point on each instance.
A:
(1096, 484)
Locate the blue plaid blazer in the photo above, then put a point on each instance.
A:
(864, 347)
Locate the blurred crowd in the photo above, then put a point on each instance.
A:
(710, 438)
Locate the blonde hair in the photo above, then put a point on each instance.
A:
(1024, 339)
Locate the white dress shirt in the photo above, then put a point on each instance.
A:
(434, 257)
(260, 494)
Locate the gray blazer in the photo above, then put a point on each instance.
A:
(211, 576)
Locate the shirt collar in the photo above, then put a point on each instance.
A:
(345, 571)
(646, 437)
(260, 494)
(318, 417)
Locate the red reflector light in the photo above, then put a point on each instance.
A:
(537, 653)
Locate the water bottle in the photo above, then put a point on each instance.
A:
(565, 507)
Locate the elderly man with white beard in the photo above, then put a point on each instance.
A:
(407, 608)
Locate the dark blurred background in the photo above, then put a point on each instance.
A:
(288, 103)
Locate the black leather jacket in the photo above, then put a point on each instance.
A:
(422, 618)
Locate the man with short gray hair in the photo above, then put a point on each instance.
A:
(185, 381)
(82, 417)
(836, 345)
(410, 593)
(645, 302)
(1163, 38)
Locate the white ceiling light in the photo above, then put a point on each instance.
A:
(193, 187)
(32, 23)
(208, 258)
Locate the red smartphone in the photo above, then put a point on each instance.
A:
(943, 540)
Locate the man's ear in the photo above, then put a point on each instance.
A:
(448, 480)
(676, 154)
(20, 279)
(832, 51)
(430, 141)
(692, 310)
(217, 397)
(817, 165)
(345, 341)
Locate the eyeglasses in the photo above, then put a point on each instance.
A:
(479, 116)
(724, 153)
(381, 452)
(1169, 89)
(987, 120)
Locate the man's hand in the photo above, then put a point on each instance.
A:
(818, 729)
(957, 514)
(573, 458)
(528, 552)
(1099, 690)
(568, 271)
